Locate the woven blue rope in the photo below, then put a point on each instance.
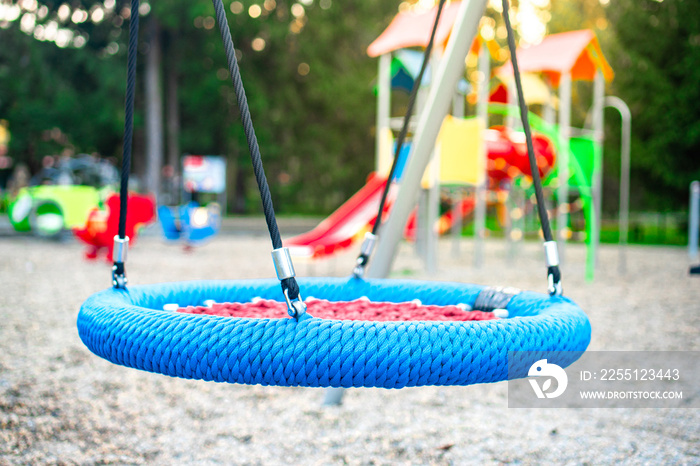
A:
(129, 327)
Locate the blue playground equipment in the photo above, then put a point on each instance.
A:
(190, 222)
(131, 328)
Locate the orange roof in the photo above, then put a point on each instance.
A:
(412, 29)
(575, 51)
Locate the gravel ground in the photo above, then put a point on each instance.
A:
(59, 404)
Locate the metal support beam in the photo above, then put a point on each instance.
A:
(383, 105)
(694, 222)
(154, 110)
(624, 215)
(448, 74)
(482, 113)
(597, 188)
(563, 163)
(457, 222)
(458, 101)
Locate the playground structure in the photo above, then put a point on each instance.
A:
(48, 210)
(375, 426)
(196, 220)
(308, 351)
(101, 225)
(61, 196)
(190, 223)
(561, 59)
(694, 226)
(551, 65)
(466, 153)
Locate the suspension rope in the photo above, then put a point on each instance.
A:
(289, 283)
(551, 254)
(370, 238)
(121, 241)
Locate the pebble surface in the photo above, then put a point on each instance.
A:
(59, 404)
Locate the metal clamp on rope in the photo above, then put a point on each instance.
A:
(551, 257)
(365, 252)
(285, 269)
(121, 246)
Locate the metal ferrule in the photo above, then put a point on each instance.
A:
(551, 253)
(120, 248)
(368, 244)
(283, 263)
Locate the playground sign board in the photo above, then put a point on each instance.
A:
(204, 173)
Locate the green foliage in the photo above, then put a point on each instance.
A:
(56, 98)
(658, 64)
(309, 90)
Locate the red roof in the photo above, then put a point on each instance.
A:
(411, 29)
(577, 52)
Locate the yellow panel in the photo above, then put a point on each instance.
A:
(461, 146)
(535, 89)
(386, 155)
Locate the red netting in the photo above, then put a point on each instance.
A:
(360, 309)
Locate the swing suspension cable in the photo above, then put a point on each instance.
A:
(550, 245)
(121, 241)
(280, 255)
(370, 238)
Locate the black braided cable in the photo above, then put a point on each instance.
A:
(288, 284)
(363, 258)
(552, 271)
(118, 267)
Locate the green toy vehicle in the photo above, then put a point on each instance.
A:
(62, 197)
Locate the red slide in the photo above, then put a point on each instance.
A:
(345, 225)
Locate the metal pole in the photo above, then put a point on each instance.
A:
(549, 114)
(431, 256)
(448, 74)
(482, 113)
(421, 239)
(431, 259)
(383, 106)
(458, 105)
(694, 222)
(597, 188)
(457, 221)
(513, 114)
(563, 162)
(623, 221)
(154, 111)
(516, 221)
(508, 206)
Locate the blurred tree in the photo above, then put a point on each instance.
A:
(57, 91)
(308, 79)
(658, 62)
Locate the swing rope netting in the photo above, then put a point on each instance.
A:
(363, 333)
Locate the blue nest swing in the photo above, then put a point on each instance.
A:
(129, 327)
